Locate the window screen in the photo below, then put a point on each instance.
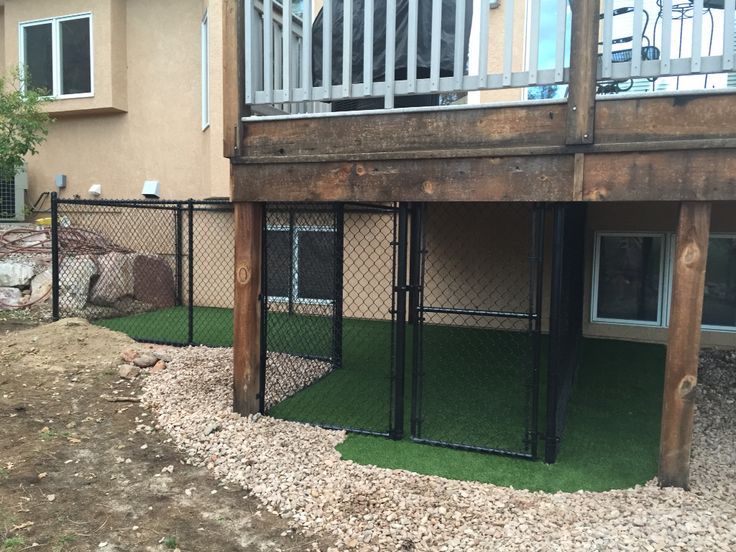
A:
(75, 56)
(719, 304)
(316, 265)
(38, 56)
(629, 278)
(278, 260)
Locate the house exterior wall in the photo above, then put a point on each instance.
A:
(643, 217)
(144, 120)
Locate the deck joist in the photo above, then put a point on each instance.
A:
(663, 148)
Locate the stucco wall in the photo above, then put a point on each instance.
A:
(660, 217)
(147, 59)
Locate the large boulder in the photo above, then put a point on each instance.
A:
(75, 276)
(15, 274)
(153, 281)
(10, 297)
(115, 279)
(41, 286)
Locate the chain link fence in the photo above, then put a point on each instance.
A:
(159, 271)
(351, 294)
(328, 355)
(477, 342)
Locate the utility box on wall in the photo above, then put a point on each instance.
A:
(12, 196)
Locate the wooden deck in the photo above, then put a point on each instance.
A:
(667, 148)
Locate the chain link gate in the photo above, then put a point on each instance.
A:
(330, 342)
(476, 312)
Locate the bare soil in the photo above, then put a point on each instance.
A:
(79, 472)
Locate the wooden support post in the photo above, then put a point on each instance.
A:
(247, 316)
(583, 68)
(683, 344)
(233, 64)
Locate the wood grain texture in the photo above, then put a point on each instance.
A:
(661, 176)
(668, 118)
(233, 57)
(397, 132)
(683, 344)
(246, 314)
(581, 100)
(542, 178)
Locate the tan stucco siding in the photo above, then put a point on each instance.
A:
(147, 59)
(642, 217)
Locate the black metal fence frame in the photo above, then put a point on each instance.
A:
(189, 207)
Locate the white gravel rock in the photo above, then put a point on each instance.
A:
(296, 471)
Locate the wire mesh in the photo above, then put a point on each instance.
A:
(160, 271)
(476, 357)
(328, 277)
(566, 319)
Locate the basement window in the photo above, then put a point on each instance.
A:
(719, 301)
(300, 262)
(56, 55)
(628, 279)
(632, 280)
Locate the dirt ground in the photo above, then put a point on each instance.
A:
(80, 472)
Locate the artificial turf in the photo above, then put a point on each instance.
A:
(473, 390)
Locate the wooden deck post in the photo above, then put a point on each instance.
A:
(583, 69)
(246, 315)
(683, 344)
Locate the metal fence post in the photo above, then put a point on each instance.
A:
(536, 280)
(190, 321)
(54, 256)
(400, 290)
(338, 285)
(417, 278)
(263, 298)
(179, 259)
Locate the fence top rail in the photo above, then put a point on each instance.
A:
(152, 203)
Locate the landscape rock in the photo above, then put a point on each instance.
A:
(116, 279)
(15, 274)
(296, 471)
(129, 372)
(153, 281)
(160, 366)
(128, 355)
(41, 285)
(161, 356)
(75, 276)
(145, 360)
(10, 297)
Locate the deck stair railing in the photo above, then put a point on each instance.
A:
(360, 49)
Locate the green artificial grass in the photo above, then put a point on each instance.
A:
(611, 439)
(474, 391)
(212, 326)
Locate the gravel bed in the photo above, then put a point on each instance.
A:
(289, 374)
(295, 470)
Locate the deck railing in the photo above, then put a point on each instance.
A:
(388, 49)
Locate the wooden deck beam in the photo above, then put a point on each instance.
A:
(683, 344)
(246, 315)
(678, 175)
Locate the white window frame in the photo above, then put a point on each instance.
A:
(662, 298)
(671, 266)
(56, 51)
(294, 263)
(205, 49)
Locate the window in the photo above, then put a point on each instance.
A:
(719, 302)
(205, 37)
(300, 264)
(632, 280)
(628, 278)
(57, 55)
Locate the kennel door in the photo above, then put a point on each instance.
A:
(477, 326)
